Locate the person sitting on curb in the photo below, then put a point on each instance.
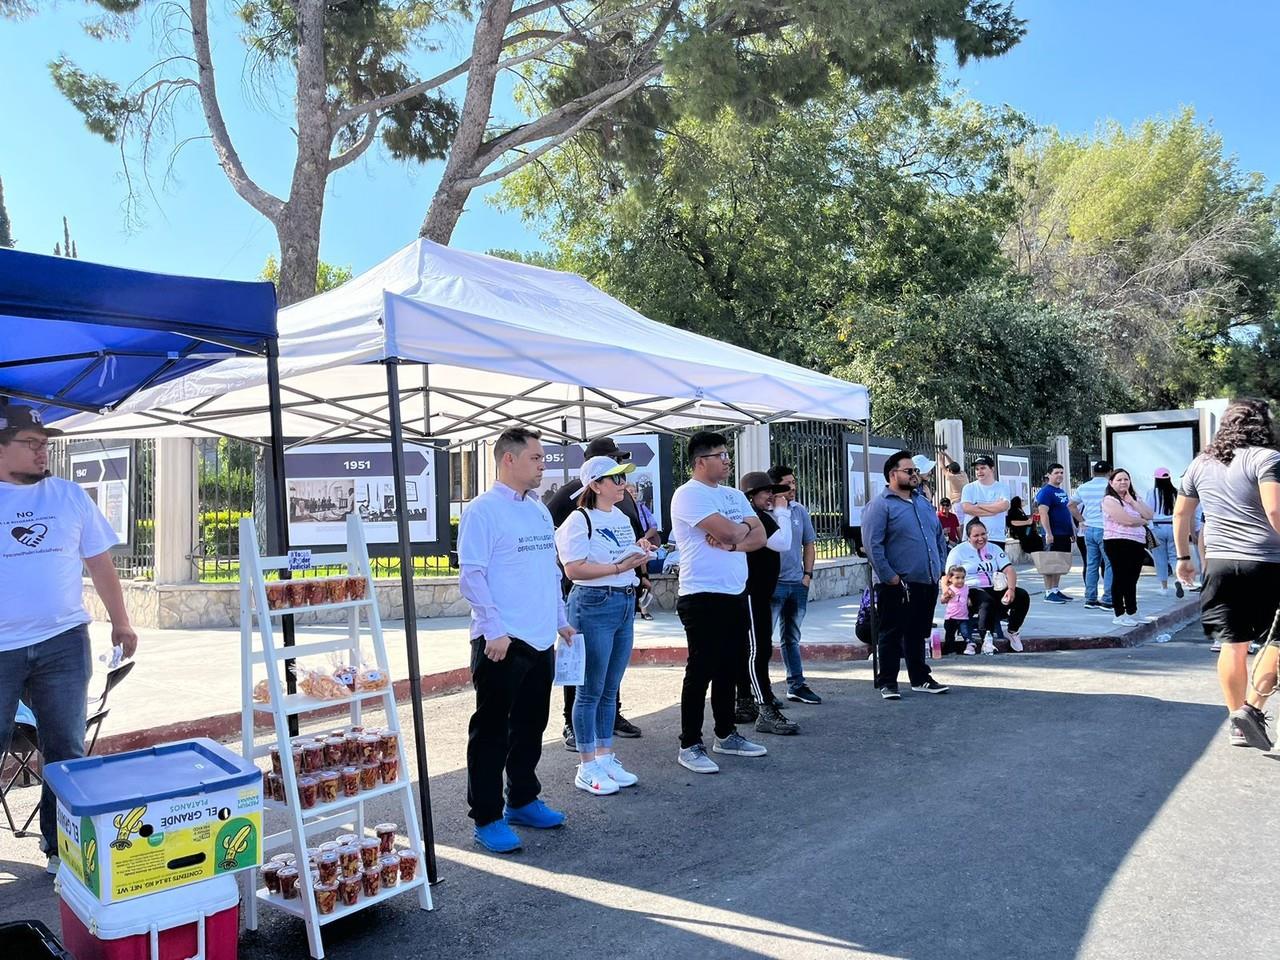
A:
(992, 600)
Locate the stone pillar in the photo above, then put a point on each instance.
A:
(1061, 446)
(951, 433)
(753, 449)
(176, 497)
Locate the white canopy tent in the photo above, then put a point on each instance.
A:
(499, 342)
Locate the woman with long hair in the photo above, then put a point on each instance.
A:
(1161, 499)
(1124, 538)
(1237, 482)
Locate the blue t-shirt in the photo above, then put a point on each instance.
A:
(802, 534)
(1055, 498)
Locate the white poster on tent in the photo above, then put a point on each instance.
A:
(563, 461)
(104, 474)
(328, 481)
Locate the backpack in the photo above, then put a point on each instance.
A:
(565, 583)
(862, 628)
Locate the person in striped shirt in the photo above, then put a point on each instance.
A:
(1087, 498)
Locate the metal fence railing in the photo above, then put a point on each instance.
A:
(815, 451)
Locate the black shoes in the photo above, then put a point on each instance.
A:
(1252, 724)
(772, 721)
(890, 693)
(570, 741)
(747, 712)
(622, 727)
(930, 686)
(802, 694)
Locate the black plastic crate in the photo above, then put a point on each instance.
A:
(30, 940)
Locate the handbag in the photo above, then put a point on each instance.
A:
(1152, 543)
(1052, 562)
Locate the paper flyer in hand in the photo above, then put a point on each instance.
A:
(571, 662)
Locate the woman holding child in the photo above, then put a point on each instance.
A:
(992, 585)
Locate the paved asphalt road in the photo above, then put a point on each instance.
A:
(1081, 804)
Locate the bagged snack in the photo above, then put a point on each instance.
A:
(318, 684)
(371, 678)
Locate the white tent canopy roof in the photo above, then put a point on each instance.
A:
(505, 342)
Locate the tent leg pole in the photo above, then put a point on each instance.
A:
(279, 504)
(582, 414)
(871, 574)
(410, 618)
(426, 399)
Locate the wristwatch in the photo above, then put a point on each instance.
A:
(1184, 558)
(809, 574)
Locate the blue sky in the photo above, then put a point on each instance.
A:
(1083, 61)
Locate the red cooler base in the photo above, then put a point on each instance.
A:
(93, 931)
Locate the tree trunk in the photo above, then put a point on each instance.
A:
(298, 231)
(477, 106)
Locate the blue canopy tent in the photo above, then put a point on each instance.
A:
(82, 337)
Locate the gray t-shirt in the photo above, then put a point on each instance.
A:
(802, 533)
(1236, 525)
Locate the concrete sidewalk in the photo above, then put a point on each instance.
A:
(187, 682)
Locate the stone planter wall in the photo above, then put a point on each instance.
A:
(196, 605)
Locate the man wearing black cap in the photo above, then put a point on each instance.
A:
(561, 505)
(49, 530)
(763, 567)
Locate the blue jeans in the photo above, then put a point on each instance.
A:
(790, 601)
(1165, 554)
(1096, 556)
(52, 676)
(605, 618)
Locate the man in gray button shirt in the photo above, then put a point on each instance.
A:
(905, 544)
(791, 596)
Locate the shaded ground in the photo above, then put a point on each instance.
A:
(1079, 804)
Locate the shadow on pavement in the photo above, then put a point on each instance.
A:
(983, 824)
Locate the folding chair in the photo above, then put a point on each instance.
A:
(98, 708)
(24, 755)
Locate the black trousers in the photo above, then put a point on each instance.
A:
(906, 618)
(753, 670)
(513, 701)
(990, 608)
(1126, 558)
(714, 625)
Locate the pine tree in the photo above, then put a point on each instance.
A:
(67, 248)
(6, 236)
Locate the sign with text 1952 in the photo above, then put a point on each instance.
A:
(328, 481)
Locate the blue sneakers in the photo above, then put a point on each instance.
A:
(497, 837)
(536, 814)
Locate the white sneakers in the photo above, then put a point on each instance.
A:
(1015, 640)
(613, 767)
(604, 776)
(1125, 621)
(593, 778)
(970, 650)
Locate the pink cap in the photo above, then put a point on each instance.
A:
(1162, 473)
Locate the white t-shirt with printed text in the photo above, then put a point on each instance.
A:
(704, 568)
(980, 567)
(514, 542)
(47, 529)
(612, 538)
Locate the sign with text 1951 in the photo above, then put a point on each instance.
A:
(328, 481)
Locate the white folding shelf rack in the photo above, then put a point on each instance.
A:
(346, 814)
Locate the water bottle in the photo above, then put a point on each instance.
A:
(934, 649)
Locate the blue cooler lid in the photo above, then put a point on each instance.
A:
(95, 785)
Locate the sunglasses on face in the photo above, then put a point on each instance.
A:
(618, 479)
(909, 471)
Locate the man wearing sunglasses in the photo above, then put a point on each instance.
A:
(49, 530)
(714, 529)
(905, 543)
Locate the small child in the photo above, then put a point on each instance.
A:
(956, 596)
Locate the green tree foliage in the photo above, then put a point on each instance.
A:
(6, 228)
(1157, 231)
(626, 68)
(328, 276)
(858, 235)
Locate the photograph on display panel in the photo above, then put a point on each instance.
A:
(563, 462)
(1013, 469)
(105, 473)
(855, 490)
(329, 481)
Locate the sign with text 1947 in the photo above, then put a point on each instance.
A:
(328, 481)
(104, 474)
